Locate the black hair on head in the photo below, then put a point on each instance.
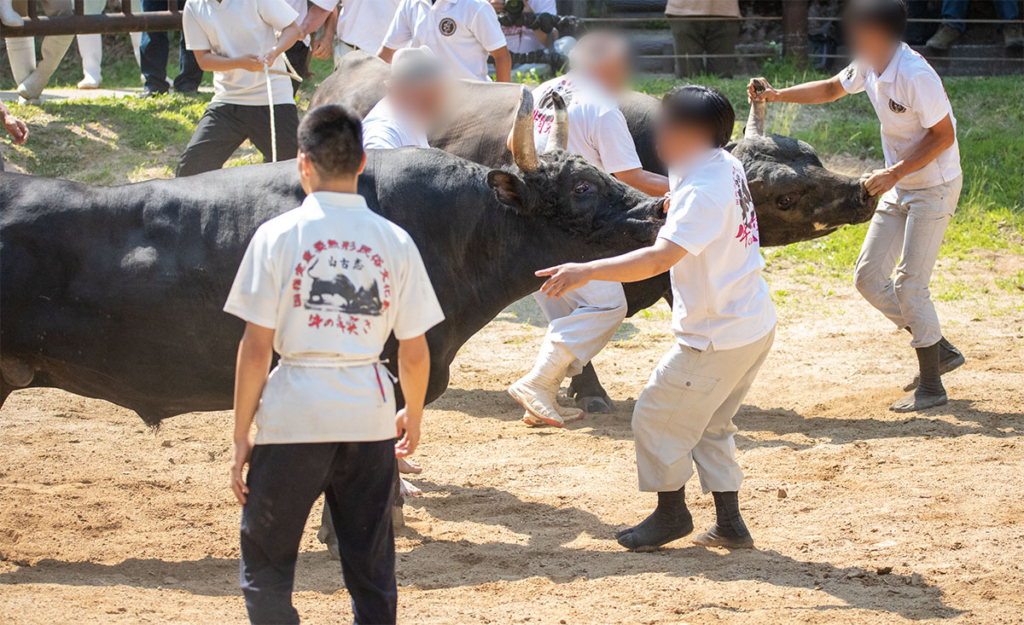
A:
(332, 137)
(889, 15)
(697, 105)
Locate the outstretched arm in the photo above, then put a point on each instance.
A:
(631, 267)
(816, 92)
(650, 183)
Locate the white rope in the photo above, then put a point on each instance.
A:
(291, 73)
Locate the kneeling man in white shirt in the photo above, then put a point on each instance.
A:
(722, 318)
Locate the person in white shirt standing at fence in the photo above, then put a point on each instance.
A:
(416, 94)
(582, 322)
(722, 318)
(325, 285)
(920, 184)
(462, 33)
(235, 39)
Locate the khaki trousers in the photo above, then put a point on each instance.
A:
(684, 416)
(908, 227)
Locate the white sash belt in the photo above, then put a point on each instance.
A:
(329, 363)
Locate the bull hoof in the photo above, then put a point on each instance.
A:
(595, 404)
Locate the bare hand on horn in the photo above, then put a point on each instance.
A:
(767, 95)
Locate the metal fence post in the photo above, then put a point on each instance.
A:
(794, 30)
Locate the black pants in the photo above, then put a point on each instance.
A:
(154, 49)
(284, 481)
(224, 127)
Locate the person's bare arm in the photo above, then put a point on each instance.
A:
(315, 17)
(288, 37)
(386, 53)
(502, 64)
(15, 127)
(630, 267)
(937, 140)
(251, 367)
(322, 47)
(413, 374)
(210, 62)
(648, 182)
(816, 92)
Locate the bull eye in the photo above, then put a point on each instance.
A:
(581, 188)
(785, 202)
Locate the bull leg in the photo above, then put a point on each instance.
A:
(590, 396)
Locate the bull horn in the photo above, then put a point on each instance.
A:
(524, 152)
(559, 139)
(758, 111)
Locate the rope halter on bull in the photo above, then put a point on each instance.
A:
(291, 73)
(524, 150)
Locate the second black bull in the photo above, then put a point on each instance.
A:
(796, 197)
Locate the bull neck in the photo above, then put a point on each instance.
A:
(334, 199)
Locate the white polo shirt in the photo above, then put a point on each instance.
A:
(460, 32)
(384, 129)
(235, 28)
(597, 128)
(334, 280)
(363, 23)
(909, 99)
(718, 295)
(522, 39)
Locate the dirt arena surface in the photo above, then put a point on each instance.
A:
(860, 515)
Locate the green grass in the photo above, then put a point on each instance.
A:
(111, 141)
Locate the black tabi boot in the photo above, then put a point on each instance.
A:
(950, 358)
(729, 530)
(930, 392)
(669, 521)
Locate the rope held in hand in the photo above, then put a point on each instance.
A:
(270, 98)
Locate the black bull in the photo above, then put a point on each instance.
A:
(116, 293)
(796, 198)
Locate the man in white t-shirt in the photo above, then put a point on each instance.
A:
(582, 322)
(325, 285)
(722, 318)
(520, 39)
(919, 186)
(462, 33)
(234, 39)
(416, 95)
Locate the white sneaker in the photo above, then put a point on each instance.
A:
(89, 83)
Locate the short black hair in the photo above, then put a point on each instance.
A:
(889, 15)
(332, 137)
(697, 105)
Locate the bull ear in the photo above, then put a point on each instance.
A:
(509, 189)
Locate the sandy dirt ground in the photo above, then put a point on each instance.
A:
(860, 515)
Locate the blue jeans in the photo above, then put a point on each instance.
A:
(953, 11)
(153, 53)
(284, 480)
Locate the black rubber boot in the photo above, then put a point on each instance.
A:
(930, 392)
(950, 358)
(669, 521)
(729, 530)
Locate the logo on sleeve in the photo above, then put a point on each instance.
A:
(896, 107)
(447, 27)
(850, 72)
